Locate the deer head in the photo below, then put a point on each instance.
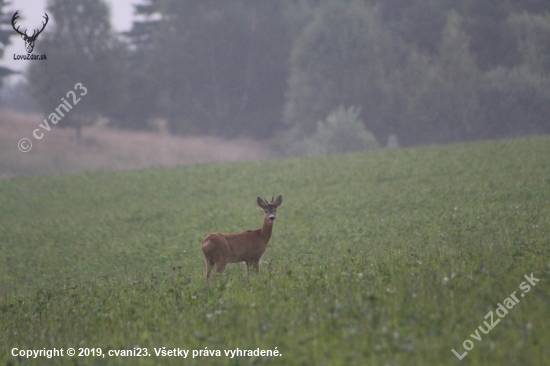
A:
(29, 40)
(270, 209)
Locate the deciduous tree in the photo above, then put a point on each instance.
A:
(80, 48)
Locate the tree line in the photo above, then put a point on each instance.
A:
(423, 71)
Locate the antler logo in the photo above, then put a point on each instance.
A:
(29, 40)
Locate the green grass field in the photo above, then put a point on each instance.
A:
(386, 258)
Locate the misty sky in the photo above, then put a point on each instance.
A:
(32, 11)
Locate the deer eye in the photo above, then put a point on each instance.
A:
(265, 211)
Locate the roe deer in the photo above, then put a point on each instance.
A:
(247, 246)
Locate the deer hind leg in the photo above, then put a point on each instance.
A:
(216, 251)
(209, 265)
(209, 250)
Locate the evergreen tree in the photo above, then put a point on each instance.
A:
(5, 34)
(141, 84)
(219, 67)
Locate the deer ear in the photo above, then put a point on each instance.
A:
(261, 202)
(278, 201)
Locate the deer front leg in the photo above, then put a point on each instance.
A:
(256, 266)
(247, 264)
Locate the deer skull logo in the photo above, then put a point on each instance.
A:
(29, 40)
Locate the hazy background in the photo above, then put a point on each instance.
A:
(260, 79)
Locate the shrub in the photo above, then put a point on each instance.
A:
(342, 132)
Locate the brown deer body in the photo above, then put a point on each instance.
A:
(247, 246)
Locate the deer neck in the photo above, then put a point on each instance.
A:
(266, 229)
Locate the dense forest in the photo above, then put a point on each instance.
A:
(301, 71)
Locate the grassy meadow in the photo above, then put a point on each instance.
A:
(384, 258)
